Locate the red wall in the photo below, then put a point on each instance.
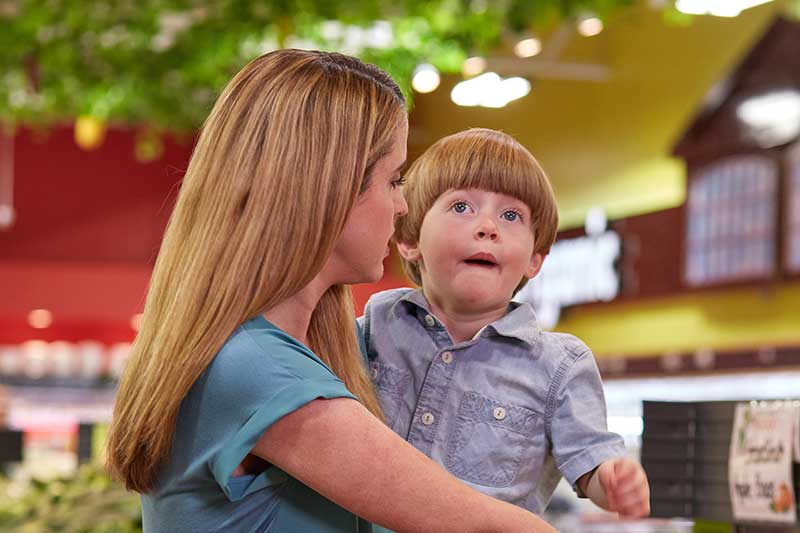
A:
(88, 228)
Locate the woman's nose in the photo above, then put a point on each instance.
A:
(400, 204)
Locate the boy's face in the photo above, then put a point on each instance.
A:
(474, 248)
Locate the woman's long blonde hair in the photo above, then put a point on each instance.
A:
(280, 162)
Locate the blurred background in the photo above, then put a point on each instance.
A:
(669, 129)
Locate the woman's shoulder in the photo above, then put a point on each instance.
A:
(260, 352)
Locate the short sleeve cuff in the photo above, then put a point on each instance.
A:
(589, 459)
(236, 448)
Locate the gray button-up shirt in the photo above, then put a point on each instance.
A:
(509, 411)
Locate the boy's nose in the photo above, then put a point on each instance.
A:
(486, 230)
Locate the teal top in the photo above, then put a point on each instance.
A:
(260, 375)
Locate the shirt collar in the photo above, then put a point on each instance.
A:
(520, 321)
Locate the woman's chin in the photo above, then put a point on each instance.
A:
(361, 278)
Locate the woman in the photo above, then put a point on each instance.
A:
(236, 410)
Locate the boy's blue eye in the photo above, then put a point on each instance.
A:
(460, 207)
(511, 216)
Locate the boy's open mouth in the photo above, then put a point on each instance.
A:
(482, 260)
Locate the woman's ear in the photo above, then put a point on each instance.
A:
(409, 252)
(537, 260)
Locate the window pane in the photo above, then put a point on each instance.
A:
(732, 211)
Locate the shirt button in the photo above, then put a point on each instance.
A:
(447, 357)
(429, 321)
(374, 373)
(499, 413)
(427, 419)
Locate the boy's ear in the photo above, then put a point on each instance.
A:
(409, 252)
(537, 260)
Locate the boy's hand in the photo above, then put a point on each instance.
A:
(625, 486)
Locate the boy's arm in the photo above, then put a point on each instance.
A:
(586, 453)
(618, 485)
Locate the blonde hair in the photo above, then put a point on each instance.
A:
(280, 162)
(477, 158)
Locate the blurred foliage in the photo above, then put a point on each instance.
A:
(90, 501)
(160, 63)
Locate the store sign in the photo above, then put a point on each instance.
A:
(760, 462)
(576, 271)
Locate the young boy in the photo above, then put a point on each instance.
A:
(465, 374)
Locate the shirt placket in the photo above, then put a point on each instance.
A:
(434, 390)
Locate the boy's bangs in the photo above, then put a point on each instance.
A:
(491, 163)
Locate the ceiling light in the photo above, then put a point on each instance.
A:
(470, 92)
(136, 322)
(589, 25)
(719, 8)
(528, 47)
(6, 216)
(772, 118)
(40, 318)
(426, 78)
(473, 66)
(489, 90)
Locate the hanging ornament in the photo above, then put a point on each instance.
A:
(89, 132)
(149, 145)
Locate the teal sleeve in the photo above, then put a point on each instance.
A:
(256, 379)
(287, 400)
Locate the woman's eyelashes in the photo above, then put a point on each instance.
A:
(399, 181)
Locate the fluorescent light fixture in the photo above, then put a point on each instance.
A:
(718, 8)
(489, 90)
(528, 47)
(426, 78)
(773, 118)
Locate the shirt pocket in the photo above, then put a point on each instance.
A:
(489, 440)
(391, 384)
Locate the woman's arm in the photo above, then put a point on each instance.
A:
(340, 450)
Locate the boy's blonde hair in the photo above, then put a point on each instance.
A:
(477, 158)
